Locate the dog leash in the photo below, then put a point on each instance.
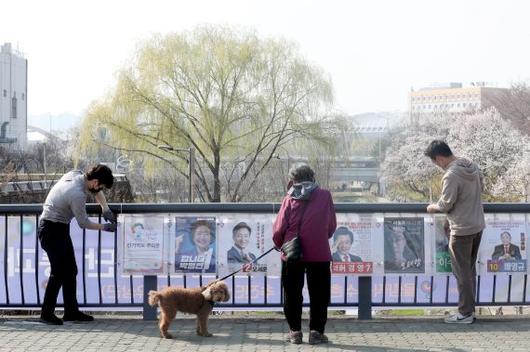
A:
(252, 262)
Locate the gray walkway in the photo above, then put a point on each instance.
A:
(130, 333)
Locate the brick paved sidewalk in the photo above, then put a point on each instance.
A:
(130, 333)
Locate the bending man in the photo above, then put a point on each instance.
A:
(66, 200)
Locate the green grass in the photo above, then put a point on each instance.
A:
(405, 312)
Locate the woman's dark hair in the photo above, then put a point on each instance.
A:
(438, 147)
(102, 173)
(301, 173)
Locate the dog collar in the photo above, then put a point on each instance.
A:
(212, 303)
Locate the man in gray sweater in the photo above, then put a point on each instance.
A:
(461, 201)
(66, 200)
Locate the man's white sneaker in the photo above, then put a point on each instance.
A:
(460, 319)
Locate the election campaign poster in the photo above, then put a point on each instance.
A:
(404, 245)
(195, 244)
(442, 258)
(503, 245)
(354, 244)
(242, 239)
(142, 239)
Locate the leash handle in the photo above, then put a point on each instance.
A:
(252, 262)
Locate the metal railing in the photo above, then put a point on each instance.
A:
(129, 292)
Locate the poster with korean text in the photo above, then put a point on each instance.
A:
(195, 243)
(142, 239)
(242, 240)
(354, 244)
(503, 246)
(442, 232)
(404, 245)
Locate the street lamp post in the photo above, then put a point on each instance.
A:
(191, 165)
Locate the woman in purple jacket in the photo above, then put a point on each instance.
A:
(309, 208)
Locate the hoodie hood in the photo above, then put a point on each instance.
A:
(464, 168)
(302, 190)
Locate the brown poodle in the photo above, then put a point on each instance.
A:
(198, 301)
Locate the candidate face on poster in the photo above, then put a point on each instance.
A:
(404, 245)
(503, 245)
(195, 245)
(351, 245)
(143, 244)
(242, 241)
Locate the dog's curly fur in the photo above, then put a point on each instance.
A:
(188, 300)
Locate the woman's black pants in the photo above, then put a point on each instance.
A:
(318, 286)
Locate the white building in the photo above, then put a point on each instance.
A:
(13, 97)
(452, 98)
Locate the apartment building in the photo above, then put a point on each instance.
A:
(13, 97)
(452, 98)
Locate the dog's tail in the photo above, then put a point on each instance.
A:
(154, 298)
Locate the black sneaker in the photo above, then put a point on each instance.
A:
(316, 338)
(50, 319)
(79, 317)
(295, 337)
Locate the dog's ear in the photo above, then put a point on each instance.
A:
(226, 294)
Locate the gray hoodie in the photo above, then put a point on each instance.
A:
(461, 197)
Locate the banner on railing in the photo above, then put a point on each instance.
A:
(147, 245)
(363, 244)
(200, 244)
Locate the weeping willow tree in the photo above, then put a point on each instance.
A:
(232, 96)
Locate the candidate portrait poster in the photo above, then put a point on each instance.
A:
(242, 240)
(142, 239)
(441, 242)
(195, 244)
(503, 246)
(353, 247)
(404, 245)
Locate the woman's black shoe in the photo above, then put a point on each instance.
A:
(50, 320)
(79, 317)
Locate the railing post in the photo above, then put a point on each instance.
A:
(150, 283)
(365, 297)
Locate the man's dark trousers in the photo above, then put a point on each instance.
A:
(318, 286)
(55, 240)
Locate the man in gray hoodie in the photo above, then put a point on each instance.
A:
(461, 201)
(66, 200)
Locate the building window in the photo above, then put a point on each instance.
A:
(23, 96)
(14, 107)
(5, 93)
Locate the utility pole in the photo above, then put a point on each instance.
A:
(191, 165)
(191, 171)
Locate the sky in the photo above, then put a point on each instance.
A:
(374, 51)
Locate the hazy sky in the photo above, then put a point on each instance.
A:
(374, 51)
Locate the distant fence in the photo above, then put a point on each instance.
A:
(101, 285)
